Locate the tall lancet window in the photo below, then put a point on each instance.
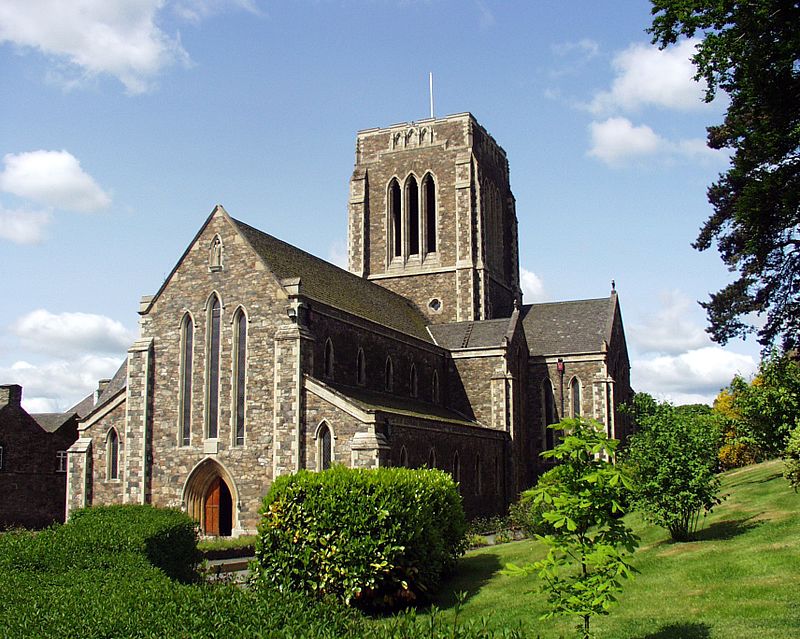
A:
(112, 454)
(187, 352)
(549, 412)
(239, 371)
(328, 362)
(575, 391)
(325, 447)
(361, 368)
(212, 379)
(412, 381)
(429, 212)
(412, 204)
(395, 218)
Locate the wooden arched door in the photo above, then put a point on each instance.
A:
(218, 509)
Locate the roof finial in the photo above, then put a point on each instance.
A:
(613, 286)
(430, 88)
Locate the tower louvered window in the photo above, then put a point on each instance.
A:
(429, 212)
(412, 206)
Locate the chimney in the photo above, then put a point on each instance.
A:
(101, 386)
(10, 395)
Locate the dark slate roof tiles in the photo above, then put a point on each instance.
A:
(478, 334)
(51, 422)
(560, 328)
(331, 285)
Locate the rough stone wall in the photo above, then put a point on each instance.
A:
(378, 344)
(33, 491)
(455, 150)
(474, 446)
(343, 427)
(470, 388)
(103, 489)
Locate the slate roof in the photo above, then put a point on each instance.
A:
(374, 401)
(480, 334)
(83, 407)
(51, 422)
(117, 383)
(560, 328)
(331, 285)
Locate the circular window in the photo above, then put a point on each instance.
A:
(435, 305)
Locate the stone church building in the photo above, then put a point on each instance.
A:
(257, 359)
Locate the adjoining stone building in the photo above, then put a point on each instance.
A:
(33, 462)
(257, 359)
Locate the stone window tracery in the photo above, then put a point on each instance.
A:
(411, 218)
(61, 461)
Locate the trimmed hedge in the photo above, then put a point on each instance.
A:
(97, 537)
(373, 538)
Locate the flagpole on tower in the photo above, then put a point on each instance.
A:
(430, 86)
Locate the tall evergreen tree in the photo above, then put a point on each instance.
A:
(750, 49)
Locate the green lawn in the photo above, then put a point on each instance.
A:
(739, 580)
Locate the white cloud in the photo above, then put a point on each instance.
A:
(23, 227)
(532, 286)
(52, 178)
(197, 10)
(670, 330)
(646, 76)
(94, 37)
(57, 385)
(617, 139)
(698, 373)
(69, 333)
(584, 48)
(486, 18)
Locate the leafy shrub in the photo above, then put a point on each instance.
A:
(487, 525)
(526, 514)
(738, 454)
(791, 459)
(372, 538)
(476, 541)
(673, 459)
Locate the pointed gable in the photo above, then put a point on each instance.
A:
(577, 326)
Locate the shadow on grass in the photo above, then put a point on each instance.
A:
(472, 573)
(680, 631)
(727, 529)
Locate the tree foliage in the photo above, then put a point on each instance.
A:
(791, 460)
(768, 408)
(588, 541)
(672, 459)
(750, 51)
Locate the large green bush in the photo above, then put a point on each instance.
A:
(673, 460)
(372, 538)
(791, 459)
(527, 514)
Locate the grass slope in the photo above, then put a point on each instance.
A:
(740, 579)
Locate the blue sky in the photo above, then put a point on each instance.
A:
(126, 121)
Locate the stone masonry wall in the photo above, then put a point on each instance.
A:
(105, 490)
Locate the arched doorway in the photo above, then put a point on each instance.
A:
(218, 509)
(209, 496)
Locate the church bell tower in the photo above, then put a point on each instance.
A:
(432, 217)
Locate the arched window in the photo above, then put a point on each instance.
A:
(388, 375)
(395, 219)
(575, 394)
(212, 380)
(361, 368)
(112, 454)
(548, 404)
(412, 381)
(429, 212)
(329, 358)
(478, 478)
(435, 387)
(497, 478)
(239, 372)
(325, 446)
(432, 458)
(403, 457)
(456, 469)
(187, 354)
(412, 208)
